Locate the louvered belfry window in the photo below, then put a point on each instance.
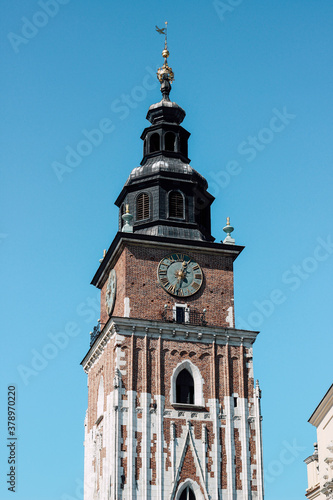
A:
(142, 206)
(176, 205)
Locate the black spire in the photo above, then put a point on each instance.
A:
(166, 196)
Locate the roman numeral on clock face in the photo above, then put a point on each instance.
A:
(179, 275)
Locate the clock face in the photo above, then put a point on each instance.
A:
(110, 295)
(180, 275)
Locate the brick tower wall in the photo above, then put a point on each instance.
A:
(222, 436)
(137, 282)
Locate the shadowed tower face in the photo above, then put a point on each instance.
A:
(173, 412)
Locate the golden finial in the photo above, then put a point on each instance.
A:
(165, 72)
(228, 229)
(165, 52)
(127, 208)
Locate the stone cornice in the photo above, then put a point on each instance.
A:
(323, 408)
(311, 458)
(312, 489)
(97, 348)
(205, 335)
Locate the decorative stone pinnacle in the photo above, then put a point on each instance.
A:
(228, 229)
(127, 218)
(104, 253)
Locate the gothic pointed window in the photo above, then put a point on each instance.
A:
(187, 494)
(176, 205)
(185, 388)
(154, 143)
(142, 206)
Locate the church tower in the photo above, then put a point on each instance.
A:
(173, 411)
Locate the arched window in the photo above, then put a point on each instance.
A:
(142, 206)
(176, 205)
(196, 381)
(169, 141)
(187, 494)
(185, 388)
(154, 143)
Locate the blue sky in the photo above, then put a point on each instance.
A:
(255, 79)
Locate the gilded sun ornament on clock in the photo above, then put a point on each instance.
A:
(110, 295)
(180, 275)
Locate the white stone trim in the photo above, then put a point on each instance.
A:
(216, 448)
(100, 398)
(230, 316)
(197, 378)
(195, 487)
(186, 311)
(204, 452)
(258, 418)
(117, 435)
(127, 309)
(159, 445)
(88, 459)
(131, 428)
(244, 439)
(189, 441)
(145, 445)
(230, 448)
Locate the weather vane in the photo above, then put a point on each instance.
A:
(164, 31)
(165, 73)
